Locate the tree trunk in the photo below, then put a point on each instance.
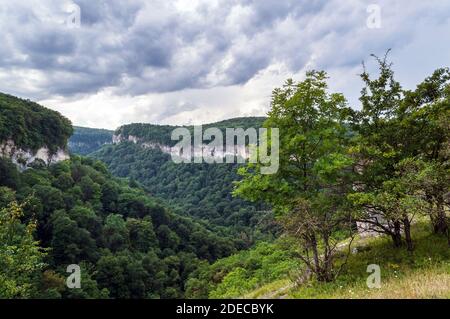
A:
(440, 222)
(321, 270)
(408, 239)
(448, 236)
(317, 268)
(328, 259)
(397, 234)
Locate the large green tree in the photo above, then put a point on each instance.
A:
(396, 127)
(315, 169)
(21, 258)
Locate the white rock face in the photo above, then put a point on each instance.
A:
(204, 150)
(116, 139)
(23, 158)
(211, 151)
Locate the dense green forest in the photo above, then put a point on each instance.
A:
(134, 246)
(202, 191)
(87, 140)
(128, 244)
(31, 126)
(161, 134)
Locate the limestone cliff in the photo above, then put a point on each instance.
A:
(24, 158)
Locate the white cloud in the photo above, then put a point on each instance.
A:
(199, 61)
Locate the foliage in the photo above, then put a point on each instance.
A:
(32, 126)
(315, 169)
(21, 258)
(87, 140)
(397, 128)
(233, 276)
(202, 191)
(95, 220)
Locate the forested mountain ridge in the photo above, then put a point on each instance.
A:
(30, 133)
(161, 134)
(127, 243)
(202, 190)
(87, 140)
(31, 126)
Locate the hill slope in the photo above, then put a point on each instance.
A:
(31, 126)
(273, 271)
(161, 134)
(127, 243)
(198, 190)
(87, 140)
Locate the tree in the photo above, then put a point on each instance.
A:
(64, 182)
(428, 183)
(377, 149)
(142, 235)
(308, 191)
(110, 274)
(8, 173)
(70, 243)
(394, 126)
(109, 197)
(21, 258)
(425, 114)
(91, 191)
(7, 196)
(115, 233)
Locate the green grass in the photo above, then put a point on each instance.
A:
(424, 273)
(273, 290)
(246, 271)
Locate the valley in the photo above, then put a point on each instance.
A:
(139, 225)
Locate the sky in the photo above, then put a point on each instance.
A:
(105, 63)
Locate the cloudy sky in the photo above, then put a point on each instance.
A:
(193, 61)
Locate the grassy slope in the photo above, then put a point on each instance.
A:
(423, 274)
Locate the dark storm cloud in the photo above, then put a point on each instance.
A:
(106, 11)
(138, 47)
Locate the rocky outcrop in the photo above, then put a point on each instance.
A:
(24, 158)
(116, 139)
(204, 150)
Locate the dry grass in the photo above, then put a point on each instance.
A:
(426, 284)
(424, 274)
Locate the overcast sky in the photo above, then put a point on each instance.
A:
(192, 61)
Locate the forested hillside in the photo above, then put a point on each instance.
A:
(161, 134)
(87, 140)
(358, 191)
(128, 244)
(198, 190)
(355, 187)
(31, 126)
